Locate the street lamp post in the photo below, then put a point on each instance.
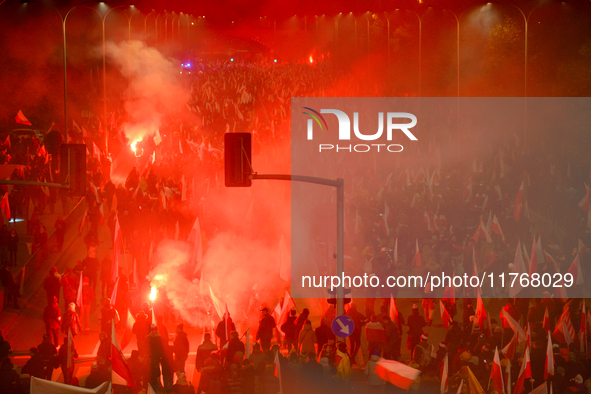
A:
(104, 18)
(526, 23)
(64, 18)
(457, 63)
(146, 26)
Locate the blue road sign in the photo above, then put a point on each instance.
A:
(342, 326)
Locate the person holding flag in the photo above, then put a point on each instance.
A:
(67, 354)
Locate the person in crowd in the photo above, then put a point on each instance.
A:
(87, 299)
(13, 241)
(71, 322)
(67, 355)
(224, 328)
(48, 352)
(51, 285)
(265, 331)
(288, 328)
(203, 351)
(10, 285)
(52, 317)
(60, 232)
(181, 348)
(35, 366)
(307, 339)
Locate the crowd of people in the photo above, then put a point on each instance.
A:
(439, 209)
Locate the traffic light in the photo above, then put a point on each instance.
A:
(73, 168)
(237, 159)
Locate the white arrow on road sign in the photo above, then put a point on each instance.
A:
(344, 328)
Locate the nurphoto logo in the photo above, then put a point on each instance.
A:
(345, 130)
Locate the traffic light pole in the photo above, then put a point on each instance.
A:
(339, 183)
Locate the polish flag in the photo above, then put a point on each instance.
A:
(278, 371)
(518, 268)
(524, 373)
(518, 207)
(541, 389)
(21, 119)
(546, 321)
(248, 346)
(480, 312)
(445, 318)
(497, 374)
(121, 372)
(505, 316)
(197, 248)
(468, 192)
(549, 363)
(533, 263)
(127, 334)
(117, 246)
(564, 331)
(374, 331)
(393, 313)
(5, 207)
(540, 252)
(509, 350)
(79, 295)
(417, 259)
(575, 270)
(218, 305)
(400, 375)
(444, 377)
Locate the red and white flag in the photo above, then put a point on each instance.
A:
(533, 263)
(395, 254)
(445, 317)
(21, 119)
(374, 331)
(417, 259)
(509, 350)
(518, 207)
(393, 312)
(549, 364)
(128, 333)
(278, 371)
(480, 312)
(575, 270)
(400, 375)
(468, 192)
(5, 207)
(524, 373)
(518, 268)
(121, 372)
(505, 316)
(217, 304)
(497, 374)
(197, 248)
(564, 331)
(117, 245)
(444, 376)
(495, 227)
(283, 259)
(79, 294)
(546, 320)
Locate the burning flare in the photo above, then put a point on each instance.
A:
(153, 293)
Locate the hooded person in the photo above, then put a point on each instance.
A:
(234, 346)
(307, 338)
(181, 348)
(265, 331)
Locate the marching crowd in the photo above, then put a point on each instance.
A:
(439, 211)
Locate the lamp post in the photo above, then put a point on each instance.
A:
(526, 23)
(457, 63)
(104, 18)
(146, 26)
(64, 18)
(156, 25)
(367, 19)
